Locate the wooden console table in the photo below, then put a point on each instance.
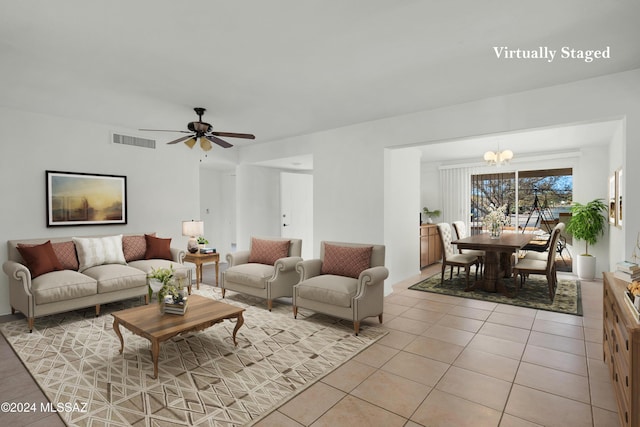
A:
(199, 259)
(621, 349)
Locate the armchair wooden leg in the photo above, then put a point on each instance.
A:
(13, 310)
(295, 312)
(380, 317)
(269, 304)
(97, 310)
(356, 327)
(146, 298)
(30, 321)
(223, 290)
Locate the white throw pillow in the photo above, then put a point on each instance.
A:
(94, 251)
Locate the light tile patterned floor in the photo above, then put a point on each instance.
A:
(446, 362)
(458, 362)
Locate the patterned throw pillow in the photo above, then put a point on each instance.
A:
(134, 247)
(346, 260)
(40, 259)
(66, 254)
(157, 248)
(268, 251)
(94, 251)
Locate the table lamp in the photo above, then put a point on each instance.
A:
(192, 229)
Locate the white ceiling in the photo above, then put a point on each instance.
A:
(280, 68)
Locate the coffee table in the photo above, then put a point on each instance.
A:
(147, 322)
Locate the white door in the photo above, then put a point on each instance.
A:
(296, 209)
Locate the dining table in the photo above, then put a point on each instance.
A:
(497, 258)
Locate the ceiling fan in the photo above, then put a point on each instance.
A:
(203, 131)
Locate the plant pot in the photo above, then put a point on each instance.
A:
(586, 267)
(155, 285)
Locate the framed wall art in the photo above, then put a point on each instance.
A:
(619, 188)
(613, 201)
(85, 199)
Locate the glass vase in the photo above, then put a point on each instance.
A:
(495, 230)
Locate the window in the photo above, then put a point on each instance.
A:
(541, 197)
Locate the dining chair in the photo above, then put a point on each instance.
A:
(460, 229)
(452, 259)
(526, 266)
(559, 247)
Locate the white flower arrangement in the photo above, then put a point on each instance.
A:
(496, 217)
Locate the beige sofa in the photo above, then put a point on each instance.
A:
(80, 283)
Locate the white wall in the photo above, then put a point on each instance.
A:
(401, 221)
(257, 203)
(162, 184)
(430, 188)
(218, 208)
(348, 162)
(617, 250)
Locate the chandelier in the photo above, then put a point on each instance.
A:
(498, 157)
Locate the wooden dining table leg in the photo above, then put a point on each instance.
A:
(491, 271)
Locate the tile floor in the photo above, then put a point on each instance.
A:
(451, 361)
(446, 361)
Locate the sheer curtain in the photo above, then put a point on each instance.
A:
(455, 190)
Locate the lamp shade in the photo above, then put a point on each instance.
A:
(489, 156)
(192, 228)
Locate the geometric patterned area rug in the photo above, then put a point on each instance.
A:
(203, 378)
(534, 293)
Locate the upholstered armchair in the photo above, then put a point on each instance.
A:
(346, 282)
(266, 270)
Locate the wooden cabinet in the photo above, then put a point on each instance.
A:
(621, 348)
(430, 247)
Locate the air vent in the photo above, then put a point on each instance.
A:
(133, 140)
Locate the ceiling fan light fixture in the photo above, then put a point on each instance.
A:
(190, 142)
(205, 144)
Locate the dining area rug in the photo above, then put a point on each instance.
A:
(203, 378)
(533, 294)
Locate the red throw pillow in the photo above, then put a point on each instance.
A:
(346, 260)
(157, 248)
(134, 247)
(66, 254)
(268, 251)
(40, 259)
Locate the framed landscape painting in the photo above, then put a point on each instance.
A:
(613, 213)
(85, 199)
(619, 184)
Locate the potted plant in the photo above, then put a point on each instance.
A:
(158, 279)
(587, 223)
(202, 242)
(430, 214)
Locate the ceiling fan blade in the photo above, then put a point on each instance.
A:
(234, 135)
(184, 138)
(216, 140)
(165, 130)
(191, 142)
(205, 144)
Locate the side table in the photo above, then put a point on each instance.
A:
(199, 259)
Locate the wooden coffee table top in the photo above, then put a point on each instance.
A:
(147, 322)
